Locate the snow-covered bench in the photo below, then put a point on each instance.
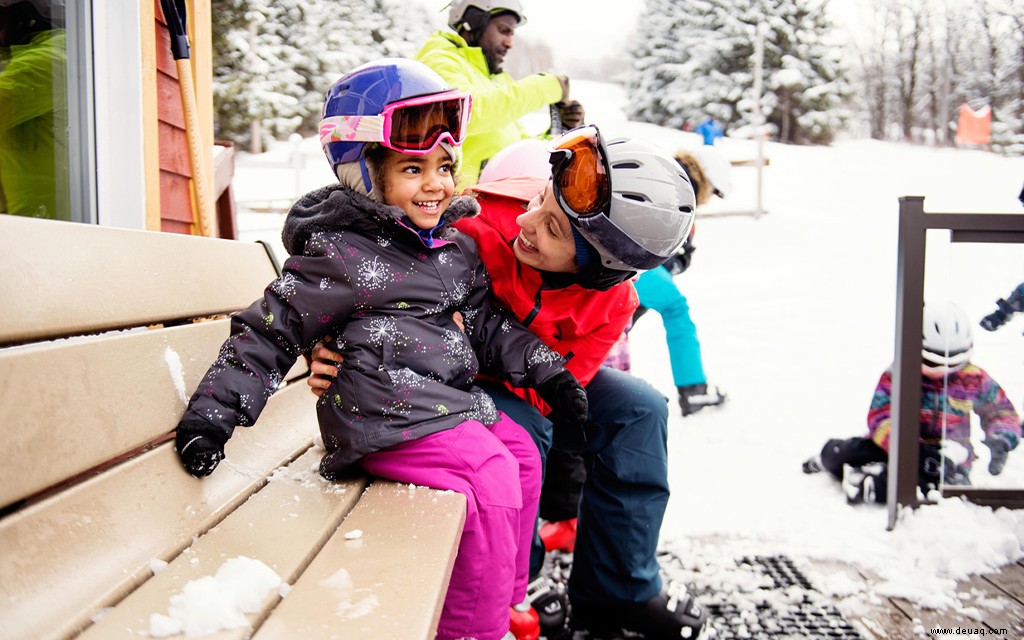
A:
(101, 528)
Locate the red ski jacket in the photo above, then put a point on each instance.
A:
(581, 324)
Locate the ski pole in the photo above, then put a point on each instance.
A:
(175, 15)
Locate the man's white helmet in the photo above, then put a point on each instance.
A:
(458, 10)
(946, 342)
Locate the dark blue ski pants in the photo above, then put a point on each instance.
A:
(624, 497)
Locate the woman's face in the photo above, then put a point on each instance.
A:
(421, 186)
(545, 241)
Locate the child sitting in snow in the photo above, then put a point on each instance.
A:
(375, 263)
(951, 388)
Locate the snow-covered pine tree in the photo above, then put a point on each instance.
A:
(275, 59)
(695, 58)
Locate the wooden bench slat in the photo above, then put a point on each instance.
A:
(117, 392)
(70, 555)
(99, 278)
(283, 525)
(388, 583)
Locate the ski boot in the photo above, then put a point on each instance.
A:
(864, 484)
(523, 622)
(694, 397)
(813, 464)
(673, 614)
(559, 535)
(550, 604)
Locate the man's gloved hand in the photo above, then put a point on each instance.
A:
(566, 397)
(1000, 451)
(571, 113)
(563, 80)
(200, 447)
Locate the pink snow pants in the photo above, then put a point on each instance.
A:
(497, 468)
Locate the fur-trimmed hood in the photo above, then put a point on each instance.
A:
(334, 208)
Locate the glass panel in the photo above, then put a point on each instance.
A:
(35, 135)
(978, 406)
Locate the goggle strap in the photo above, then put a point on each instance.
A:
(351, 129)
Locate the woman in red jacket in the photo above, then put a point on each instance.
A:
(560, 254)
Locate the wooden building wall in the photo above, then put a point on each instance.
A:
(170, 201)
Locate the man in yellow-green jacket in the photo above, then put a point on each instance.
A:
(471, 58)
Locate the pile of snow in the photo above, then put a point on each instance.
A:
(214, 603)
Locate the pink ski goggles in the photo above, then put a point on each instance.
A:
(414, 126)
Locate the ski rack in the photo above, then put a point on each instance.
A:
(914, 223)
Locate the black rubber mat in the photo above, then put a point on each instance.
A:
(784, 605)
(788, 607)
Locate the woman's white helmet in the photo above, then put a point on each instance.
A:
(458, 10)
(652, 208)
(946, 342)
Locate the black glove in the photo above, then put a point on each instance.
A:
(571, 113)
(929, 463)
(1000, 450)
(997, 318)
(566, 397)
(200, 446)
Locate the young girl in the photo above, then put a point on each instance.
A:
(952, 387)
(375, 263)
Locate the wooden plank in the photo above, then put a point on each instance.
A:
(875, 618)
(175, 193)
(999, 611)
(174, 156)
(117, 392)
(1010, 579)
(67, 557)
(104, 278)
(170, 109)
(283, 525)
(388, 583)
(936, 619)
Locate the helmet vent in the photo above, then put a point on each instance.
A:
(635, 197)
(626, 165)
(686, 209)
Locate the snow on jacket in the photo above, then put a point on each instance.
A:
(581, 324)
(498, 100)
(970, 389)
(361, 273)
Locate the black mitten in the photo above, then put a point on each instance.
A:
(566, 397)
(200, 446)
(1000, 451)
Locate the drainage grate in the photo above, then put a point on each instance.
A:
(752, 598)
(789, 607)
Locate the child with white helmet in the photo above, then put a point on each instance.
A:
(952, 387)
(376, 264)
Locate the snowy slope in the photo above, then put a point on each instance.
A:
(795, 315)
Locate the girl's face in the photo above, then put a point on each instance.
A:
(421, 186)
(545, 241)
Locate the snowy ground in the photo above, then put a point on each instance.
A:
(795, 311)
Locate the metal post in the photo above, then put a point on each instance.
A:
(906, 368)
(758, 116)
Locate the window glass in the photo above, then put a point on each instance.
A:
(35, 136)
